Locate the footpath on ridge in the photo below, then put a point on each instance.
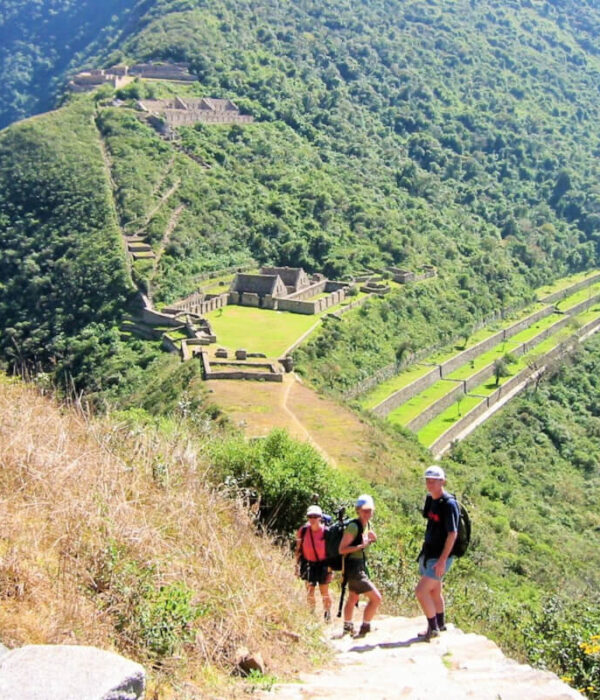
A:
(391, 662)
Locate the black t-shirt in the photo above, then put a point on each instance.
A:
(442, 517)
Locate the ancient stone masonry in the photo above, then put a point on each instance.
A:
(286, 289)
(402, 276)
(92, 79)
(519, 381)
(120, 75)
(179, 112)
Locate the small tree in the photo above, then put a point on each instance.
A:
(500, 369)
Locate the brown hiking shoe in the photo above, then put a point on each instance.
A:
(348, 629)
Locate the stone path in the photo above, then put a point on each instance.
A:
(392, 662)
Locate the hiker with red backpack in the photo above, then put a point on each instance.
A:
(311, 564)
(358, 536)
(436, 557)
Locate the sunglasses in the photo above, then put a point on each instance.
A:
(314, 516)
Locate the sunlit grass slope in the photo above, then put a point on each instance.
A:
(111, 537)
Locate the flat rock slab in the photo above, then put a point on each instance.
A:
(64, 672)
(393, 663)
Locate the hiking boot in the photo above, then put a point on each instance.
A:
(429, 634)
(327, 617)
(348, 629)
(443, 628)
(365, 628)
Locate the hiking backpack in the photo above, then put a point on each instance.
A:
(464, 525)
(333, 538)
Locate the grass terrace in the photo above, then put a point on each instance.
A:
(385, 389)
(565, 283)
(399, 381)
(258, 330)
(578, 297)
(432, 431)
(415, 406)
(483, 360)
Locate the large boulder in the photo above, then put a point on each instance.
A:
(61, 672)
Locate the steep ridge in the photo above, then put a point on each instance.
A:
(392, 663)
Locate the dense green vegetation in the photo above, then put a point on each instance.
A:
(38, 41)
(386, 132)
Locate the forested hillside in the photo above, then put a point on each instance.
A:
(403, 133)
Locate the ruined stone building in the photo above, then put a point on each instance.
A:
(294, 278)
(180, 112)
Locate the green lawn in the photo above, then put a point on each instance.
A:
(483, 360)
(412, 408)
(385, 389)
(414, 372)
(565, 283)
(258, 330)
(432, 431)
(578, 297)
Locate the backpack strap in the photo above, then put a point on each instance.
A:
(312, 540)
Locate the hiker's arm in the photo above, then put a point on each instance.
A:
(346, 547)
(440, 565)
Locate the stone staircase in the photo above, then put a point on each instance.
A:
(392, 663)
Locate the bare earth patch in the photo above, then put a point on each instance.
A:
(259, 407)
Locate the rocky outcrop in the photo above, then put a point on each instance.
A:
(61, 672)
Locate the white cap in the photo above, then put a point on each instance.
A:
(435, 472)
(314, 510)
(365, 501)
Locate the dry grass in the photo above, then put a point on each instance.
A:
(100, 520)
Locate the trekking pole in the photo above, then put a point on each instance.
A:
(340, 515)
(341, 605)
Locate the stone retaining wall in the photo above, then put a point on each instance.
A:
(311, 307)
(451, 434)
(583, 305)
(158, 319)
(407, 392)
(308, 292)
(571, 290)
(436, 408)
(527, 322)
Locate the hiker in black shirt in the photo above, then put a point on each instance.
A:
(441, 511)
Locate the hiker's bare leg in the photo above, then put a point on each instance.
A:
(425, 596)
(325, 597)
(310, 596)
(374, 598)
(438, 598)
(349, 607)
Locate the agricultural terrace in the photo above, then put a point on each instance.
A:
(564, 283)
(263, 330)
(378, 394)
(582, 295)
(436, 427)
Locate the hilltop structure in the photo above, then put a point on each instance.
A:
(179, 112)
(120, 75)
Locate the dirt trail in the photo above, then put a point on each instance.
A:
(258, 407)
(392, 663)
(289, 381)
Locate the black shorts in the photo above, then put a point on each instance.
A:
(315, 572)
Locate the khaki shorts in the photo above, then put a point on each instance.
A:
(358, 580)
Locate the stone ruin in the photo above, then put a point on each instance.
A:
(286, 289)
(120, 75)
(181, 112)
